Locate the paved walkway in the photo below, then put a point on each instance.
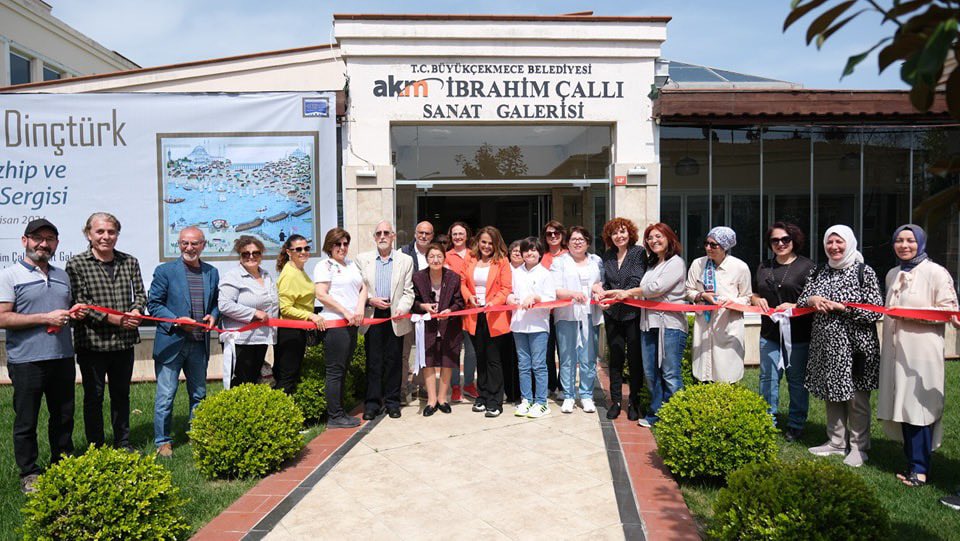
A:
(564, 476)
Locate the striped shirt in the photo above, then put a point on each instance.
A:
(384, 271)
(195, 285)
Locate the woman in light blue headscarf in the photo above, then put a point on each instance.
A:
(719, 279)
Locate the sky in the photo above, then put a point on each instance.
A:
(737, 35)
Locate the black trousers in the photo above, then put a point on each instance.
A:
(553, 369)
(509, 364)
(287, 358)
(489, 371)
(623, 339)
(384, 364)
(32, 381)
(338, 346)
(250, 359)
(98, 368)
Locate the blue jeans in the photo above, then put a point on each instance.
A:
(532, 359)
(469, 363)
(665, 380)
(192, 359)
(572, 357)
(795, 372)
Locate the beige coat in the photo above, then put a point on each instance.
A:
(401, 287)
(718, 344)
(911, 357)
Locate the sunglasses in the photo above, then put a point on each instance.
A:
(711, 245)
(300, 249)
(342, 243)
(382, 234)
(251, 255)
(781, 240)
(552, 234)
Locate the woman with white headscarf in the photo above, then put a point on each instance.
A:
(844, 362)
(718, 278)
(910, 401)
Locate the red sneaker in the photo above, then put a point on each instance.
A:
(455, 396)
(471, 391)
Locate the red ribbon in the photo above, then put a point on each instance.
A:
(940, 316)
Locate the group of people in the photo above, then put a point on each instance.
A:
(834, 353)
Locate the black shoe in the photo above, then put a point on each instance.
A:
(633, 412)
(369, 415)
(445, 407)
(343, 421)
(793, 434)
(494, 412)
(952, 501)
(394, 413)
(126, 447)
(614, 411)
(429, 410)
(479, 406)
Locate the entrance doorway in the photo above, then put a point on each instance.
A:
(516, 216)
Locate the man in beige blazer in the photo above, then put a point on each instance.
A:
(388, 274)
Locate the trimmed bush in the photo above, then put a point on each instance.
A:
(246, 431)
(713, 429)
(798, 500)
(686, 362)
(311, 398)
(357, 374)
(105, 494)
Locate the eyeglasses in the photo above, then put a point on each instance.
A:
(342, 243)
(193, 243)
(38, 239)
(381, 234)
(552, 234)
(711, 245)
(781, 240)
(577, 240)
(251, 255)
(300, 249)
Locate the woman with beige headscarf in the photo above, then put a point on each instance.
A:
(844, 362)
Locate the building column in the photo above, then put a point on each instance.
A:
(4, 61)
(366, 201)
(36, 70)
(639, 199)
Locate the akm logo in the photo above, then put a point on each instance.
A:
(402, 88)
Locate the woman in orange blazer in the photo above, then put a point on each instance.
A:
(486, 281)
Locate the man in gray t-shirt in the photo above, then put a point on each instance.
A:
(35, 311)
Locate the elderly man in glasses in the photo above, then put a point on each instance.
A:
(416, 249)
(185, 290)
(34, 309)
(388, 274)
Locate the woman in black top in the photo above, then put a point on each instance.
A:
(777, 284)
(623, 266)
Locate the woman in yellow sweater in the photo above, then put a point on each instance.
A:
(295, 289)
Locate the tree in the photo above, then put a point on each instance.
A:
(504, 162)
(926, 35)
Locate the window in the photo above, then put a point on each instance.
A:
(19, 69)
(458, 152)
(50, 74)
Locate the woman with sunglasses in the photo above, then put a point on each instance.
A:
(458, 255)
(247, 294)
(343, 293)
(437, 291)
(296, 293)
(778, 283)
(554, 237)
(718, 278)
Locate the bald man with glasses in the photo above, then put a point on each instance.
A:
(416, 249)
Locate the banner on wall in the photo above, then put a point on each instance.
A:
(260, 164)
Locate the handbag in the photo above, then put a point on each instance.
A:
(312, 337)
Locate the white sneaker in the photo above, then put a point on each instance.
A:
(826, 450)
(523, 409)
(538, 411)
(588, 405)
(855, 458)
(567, 406)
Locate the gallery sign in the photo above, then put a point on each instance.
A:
(501, 91)
(259, 164)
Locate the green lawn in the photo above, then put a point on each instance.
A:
(914, 512)
(206, 498)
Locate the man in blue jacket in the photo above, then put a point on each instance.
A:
(185, 290)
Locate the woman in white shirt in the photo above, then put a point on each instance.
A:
(341, 290)
(718, 278)
(574, 274)
(532, 284)
(248, 293)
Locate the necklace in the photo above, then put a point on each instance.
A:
(783, 278)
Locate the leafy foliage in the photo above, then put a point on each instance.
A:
(712, 429)
(813, 500)
(105, 494)
(491, 162)
(311, 391)
(926, 35)
(246, 431)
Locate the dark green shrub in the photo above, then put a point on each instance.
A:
(357, 374)
(311, 398)
(712, 429)
(246, 431)
(314, 363)
(105, 494)
(798, 500)
(686, 362)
